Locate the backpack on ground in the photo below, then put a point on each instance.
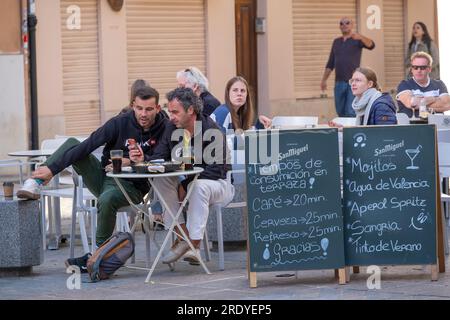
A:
(110, 256)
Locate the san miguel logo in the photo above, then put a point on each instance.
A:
(116, 5)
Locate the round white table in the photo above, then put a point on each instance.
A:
(32, 153)
(151, 176)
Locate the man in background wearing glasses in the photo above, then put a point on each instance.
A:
(434, 92)
(345, 57)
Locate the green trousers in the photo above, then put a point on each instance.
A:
(109, 197)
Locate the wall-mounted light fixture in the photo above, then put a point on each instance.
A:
(116, 5)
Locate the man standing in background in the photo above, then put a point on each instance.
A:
(345, 57)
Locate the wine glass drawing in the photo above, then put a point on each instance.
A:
(412, 154)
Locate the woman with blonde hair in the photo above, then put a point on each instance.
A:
(370, 105)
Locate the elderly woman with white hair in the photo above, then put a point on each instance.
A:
(194, 79)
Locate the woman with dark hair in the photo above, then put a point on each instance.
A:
(421, 41)
(137, 84)
(238, 112)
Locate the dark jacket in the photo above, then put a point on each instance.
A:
(213, 171)
(210, 103)
(383, 111)
(114, 134)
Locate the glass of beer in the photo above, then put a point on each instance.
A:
(188, 158)
(116, 158)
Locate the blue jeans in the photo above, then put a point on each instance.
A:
(343, 98)
(156, 208)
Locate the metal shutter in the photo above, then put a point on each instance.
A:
(316, 24)
(394, 43)
(80, 58)
(164, 37)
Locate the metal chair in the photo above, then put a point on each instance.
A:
(288, 121)
(47, 144)
(443, 139)
(81, 197)
(218, 210)
(83, 202)
(14, 163)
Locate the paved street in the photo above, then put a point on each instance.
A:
(48, 281)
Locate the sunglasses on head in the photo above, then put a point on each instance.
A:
(420, 67)
(346, 22)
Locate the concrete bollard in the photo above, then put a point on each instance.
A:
(20, 236)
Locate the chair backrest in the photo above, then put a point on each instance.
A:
(48, 144)
(443, 139)
(237, 158)
(14, 163)
(345, 122)
(237, 179)
(82, 193)
(59, 140)
(79, 138)
(402, 118)
(52, 144)
(441, 121)
(287, 121)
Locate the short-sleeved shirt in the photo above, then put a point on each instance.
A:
(434, 88)
(345, 57)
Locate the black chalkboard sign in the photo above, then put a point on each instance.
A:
(390, 195)
(294, 203)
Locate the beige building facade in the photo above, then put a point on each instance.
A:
(14, 110)
(89, 54)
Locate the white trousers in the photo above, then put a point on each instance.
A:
(205, 193)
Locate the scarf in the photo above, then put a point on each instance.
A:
(363, 105)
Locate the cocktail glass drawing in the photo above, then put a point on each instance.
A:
(412, 154)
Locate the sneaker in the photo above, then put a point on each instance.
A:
(30, 190)
(158, 222)
(176, 252)
(80, 262)
(191, 257)
(158, 226)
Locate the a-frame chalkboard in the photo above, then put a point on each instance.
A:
(390, 195)
(294, 202)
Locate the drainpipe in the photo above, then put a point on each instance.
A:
(32, 22)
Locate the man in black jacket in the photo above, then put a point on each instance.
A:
(192, 130)
(144, 123)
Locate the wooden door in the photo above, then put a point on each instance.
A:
(245, 12)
